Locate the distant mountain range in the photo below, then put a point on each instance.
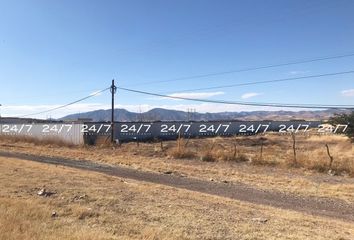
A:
(157, 114)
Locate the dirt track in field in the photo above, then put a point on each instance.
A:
(311, 205)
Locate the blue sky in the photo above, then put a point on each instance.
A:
(54, 52)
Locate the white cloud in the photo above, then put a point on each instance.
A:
(196, 94)
(192, 95)
(297, 72)
(250, 95)
(348, 93)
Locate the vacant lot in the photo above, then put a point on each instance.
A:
(95, 206)
(274, 170)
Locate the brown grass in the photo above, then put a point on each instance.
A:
(47, 141)
(116, 208)
(274, 150)
(313, 154)
(181, 151)
(220, 153)
(207, 157)
(207, 153)
(271, 171)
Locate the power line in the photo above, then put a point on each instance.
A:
(269, 81)
(247, 69)
(56, 94)
(313, 106)
(68, 104)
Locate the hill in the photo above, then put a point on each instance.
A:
(157, 114)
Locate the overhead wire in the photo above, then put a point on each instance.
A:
(66, 105)
(268, 81)
(312, 106)
(229, 86)
(245, 69)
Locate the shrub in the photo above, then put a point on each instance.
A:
(207, 157)
(346, 119)
(181, 153)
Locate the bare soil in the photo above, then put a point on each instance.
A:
(321, 206)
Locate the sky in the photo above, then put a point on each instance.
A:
(55, 52)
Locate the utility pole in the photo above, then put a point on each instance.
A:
(113, 91)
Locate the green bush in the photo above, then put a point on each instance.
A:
(344, 118)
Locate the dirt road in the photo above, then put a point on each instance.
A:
(311, 205)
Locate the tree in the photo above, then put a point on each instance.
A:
(345, 119)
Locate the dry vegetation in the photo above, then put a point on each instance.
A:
(95, 206)
(322, 153)
(262, 161)
(48, 141)
(332, 153)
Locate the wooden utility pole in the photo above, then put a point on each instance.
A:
(113, 91)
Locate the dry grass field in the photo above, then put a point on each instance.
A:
(96, 206)
(236, 159)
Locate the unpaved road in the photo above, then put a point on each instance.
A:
(311, 205)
